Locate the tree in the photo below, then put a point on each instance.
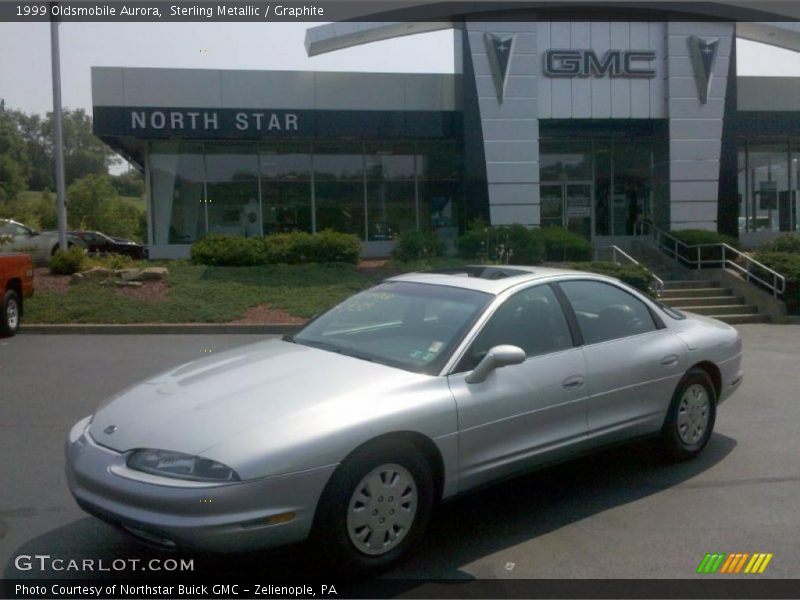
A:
(84, 154)
(93, 204)
(129, 184)
(14, 163)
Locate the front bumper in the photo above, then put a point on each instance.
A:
(171, 513)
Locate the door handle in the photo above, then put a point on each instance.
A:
(669, 361)
(573, 382)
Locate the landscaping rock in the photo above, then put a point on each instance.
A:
(129, 274)
(98, 273)
(151, 274)
(120, 283)
(77, 278)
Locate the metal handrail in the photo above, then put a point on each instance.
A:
(778, 285)
(616, 250)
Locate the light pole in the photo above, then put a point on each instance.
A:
(58, 134)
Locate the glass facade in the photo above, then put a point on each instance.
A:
(371, 189)
(768, 173)
(603, 187)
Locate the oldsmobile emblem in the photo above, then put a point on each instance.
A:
(110, 429)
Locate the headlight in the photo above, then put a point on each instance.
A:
(180, 466)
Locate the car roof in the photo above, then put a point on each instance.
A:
(492, 279)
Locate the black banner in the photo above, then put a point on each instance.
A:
(394, 11)
(73, 589)
(225, 123)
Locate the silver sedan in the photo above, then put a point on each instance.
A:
(406, 394)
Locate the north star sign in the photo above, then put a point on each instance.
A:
(210, 120)
(586, 63)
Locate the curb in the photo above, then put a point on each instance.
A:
(161, 328)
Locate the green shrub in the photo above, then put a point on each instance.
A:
(711, 255)
(504, 244)
(417, 245)
(636, 276)
(694, 237)
(788, 242)
(788, 265)
(228, 250)
(67, 262)
(297, 247)
(562, 245)
(109, 261)
(324, 247)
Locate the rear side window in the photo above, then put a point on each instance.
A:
(605, 312)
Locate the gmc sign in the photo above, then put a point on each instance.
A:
(586, 63)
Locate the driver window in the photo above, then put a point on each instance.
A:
(606, 312)
(531, 319)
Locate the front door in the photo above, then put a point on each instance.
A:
(567, 205)
(524, 414)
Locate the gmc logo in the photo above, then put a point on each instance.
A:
(585, 63)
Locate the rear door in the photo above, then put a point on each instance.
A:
(633, 362)
(523, 414)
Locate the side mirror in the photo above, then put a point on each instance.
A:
(497, 357)
(33, 233)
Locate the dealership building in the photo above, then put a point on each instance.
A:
(608, 126)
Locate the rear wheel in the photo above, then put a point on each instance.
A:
(691, 416)
(375, 508)
(10, 313)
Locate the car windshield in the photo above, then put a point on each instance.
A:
(412, 326)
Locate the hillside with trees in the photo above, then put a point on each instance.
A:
(94, 198)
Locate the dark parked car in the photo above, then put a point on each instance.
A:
(100, 243)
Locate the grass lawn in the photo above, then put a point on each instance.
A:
(203, 294)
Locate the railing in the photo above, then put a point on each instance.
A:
(618, 255)
(726, 256)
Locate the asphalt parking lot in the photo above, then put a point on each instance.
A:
(619, 514)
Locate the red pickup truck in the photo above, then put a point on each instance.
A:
(16, 284)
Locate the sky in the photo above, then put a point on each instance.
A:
(25, 54)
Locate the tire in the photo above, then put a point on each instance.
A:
(350, 526)
(10, 313)
(691, 416)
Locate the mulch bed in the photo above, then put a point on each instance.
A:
(44, 282)
(152, 291)
(263, 314)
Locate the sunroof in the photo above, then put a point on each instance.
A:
(482, 272)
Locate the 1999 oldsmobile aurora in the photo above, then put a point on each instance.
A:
(411, 392)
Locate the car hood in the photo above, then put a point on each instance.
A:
(280, 388)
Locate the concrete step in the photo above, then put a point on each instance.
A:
(706, 301)
(689, 284)
(725, 309)
(697, 292)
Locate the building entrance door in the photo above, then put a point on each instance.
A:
(567, 205)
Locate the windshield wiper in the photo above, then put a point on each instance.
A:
(288, 338)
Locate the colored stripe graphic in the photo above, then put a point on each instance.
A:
(758, 563)
(734, 563)
(711, 562)
(722, 563)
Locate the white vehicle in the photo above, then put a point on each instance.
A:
(16, 237)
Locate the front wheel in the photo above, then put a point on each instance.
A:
(691, 416)
(376, 506)
(10, 313)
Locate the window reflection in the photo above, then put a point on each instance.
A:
(232, 197)
(374, 190)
